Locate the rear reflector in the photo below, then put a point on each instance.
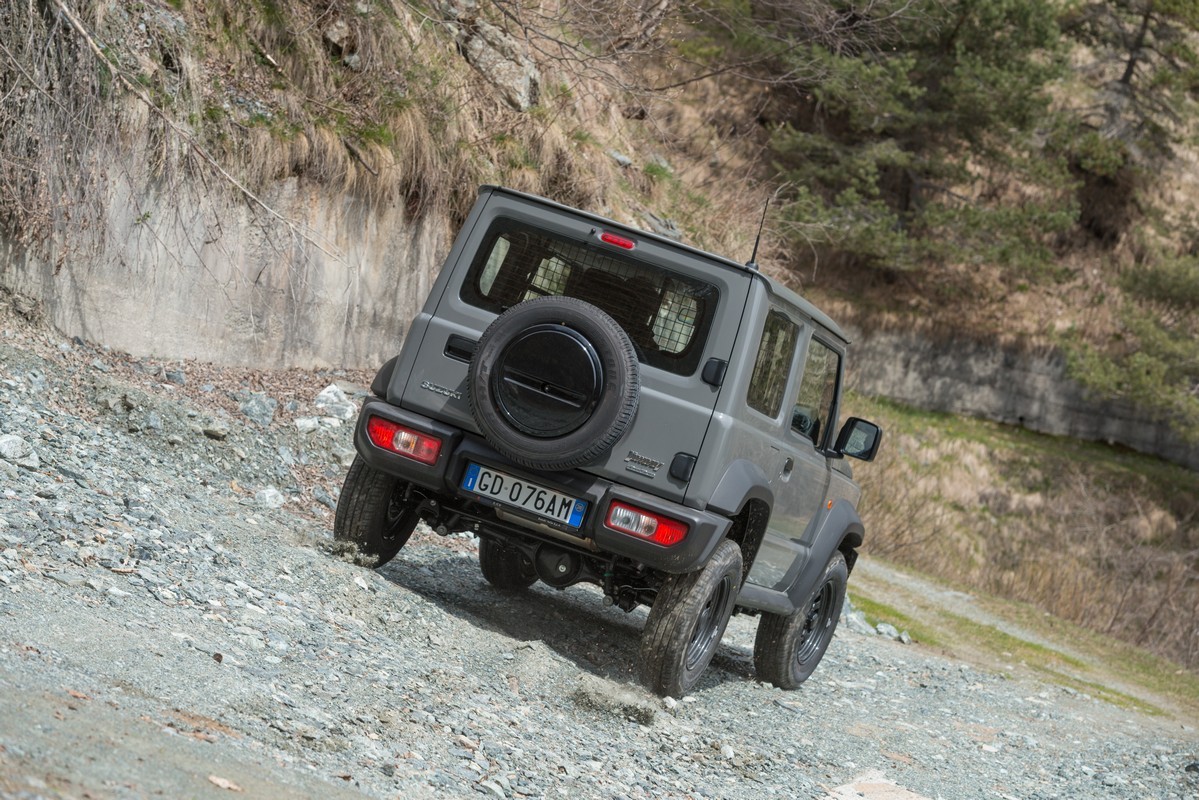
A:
(645, 524)
(406, 442)
(619, 241)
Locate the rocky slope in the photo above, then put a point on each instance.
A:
(174, 622)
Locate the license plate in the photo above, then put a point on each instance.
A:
(519, 493)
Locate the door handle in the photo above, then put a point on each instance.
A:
(788, 465)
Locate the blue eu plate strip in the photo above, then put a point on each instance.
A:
(472, 477)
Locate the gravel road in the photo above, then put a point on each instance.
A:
(174, 622)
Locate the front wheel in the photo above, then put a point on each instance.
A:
(375, 512)
(687, 621)
(788, 648)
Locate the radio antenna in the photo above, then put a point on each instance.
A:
(753, 259)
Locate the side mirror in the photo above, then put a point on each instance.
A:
(859, 439)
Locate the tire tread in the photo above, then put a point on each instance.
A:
(361, 512)
(502, 567)
(776, 643)
(671, 622)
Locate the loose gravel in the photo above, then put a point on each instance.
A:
(175, 622)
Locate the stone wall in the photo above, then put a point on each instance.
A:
(1017, 386)
(192, 273)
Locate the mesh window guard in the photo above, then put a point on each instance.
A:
(664, 313)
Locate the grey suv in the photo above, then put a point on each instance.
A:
(601, 404)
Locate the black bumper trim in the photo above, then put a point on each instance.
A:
(705, 530)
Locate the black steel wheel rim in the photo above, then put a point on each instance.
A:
(817, 622)
(707, 627)
(399, 513)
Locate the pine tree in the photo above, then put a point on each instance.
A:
(1146, 77)
(906, 149)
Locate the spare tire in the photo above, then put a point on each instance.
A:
(554, 383)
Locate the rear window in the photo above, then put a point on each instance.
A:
(667, 315)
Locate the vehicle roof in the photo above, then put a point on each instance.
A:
(783, 293)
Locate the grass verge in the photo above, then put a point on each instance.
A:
(1011, 637)
(1099, 536)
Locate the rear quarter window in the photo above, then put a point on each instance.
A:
(772, 367)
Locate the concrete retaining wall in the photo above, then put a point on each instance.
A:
(185, 272)
(204, 275)
(1008, 384)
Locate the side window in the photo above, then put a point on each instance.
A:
(675, 319)
(813, 410)
(773, 366)
(491, 268)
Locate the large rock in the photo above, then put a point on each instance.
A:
(662, 226)
(260, 408)
(334, 402)
(270, 497)
(217, 429)
(18, 451)
(337, 34)
(495, 54)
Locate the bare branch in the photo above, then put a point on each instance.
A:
(186, 137)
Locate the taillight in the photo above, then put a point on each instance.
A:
(405, 441)
(645, 524)
(616, 239)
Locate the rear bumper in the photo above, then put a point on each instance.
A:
(443, 478)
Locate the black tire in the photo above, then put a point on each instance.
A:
(687, 621)
(373, 512)
(505, 568)
(554, 383)
(788, 648)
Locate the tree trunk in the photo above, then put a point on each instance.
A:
(1134, 52)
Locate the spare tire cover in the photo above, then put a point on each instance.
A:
(554, 383)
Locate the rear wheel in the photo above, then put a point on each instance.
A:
(788, 648)
(505, 568)
(375, 512)
(687, 621)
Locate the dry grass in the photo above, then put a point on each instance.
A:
(1100, 537)
(411, 123)
(389, 113)
(370, 101)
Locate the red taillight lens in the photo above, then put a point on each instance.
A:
(645, 524)
(619, 241)
(405, 441)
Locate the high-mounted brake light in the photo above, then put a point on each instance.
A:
(404, 441)
(645, 524)
(615, 239)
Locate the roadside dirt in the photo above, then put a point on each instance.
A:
(1015, 638)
